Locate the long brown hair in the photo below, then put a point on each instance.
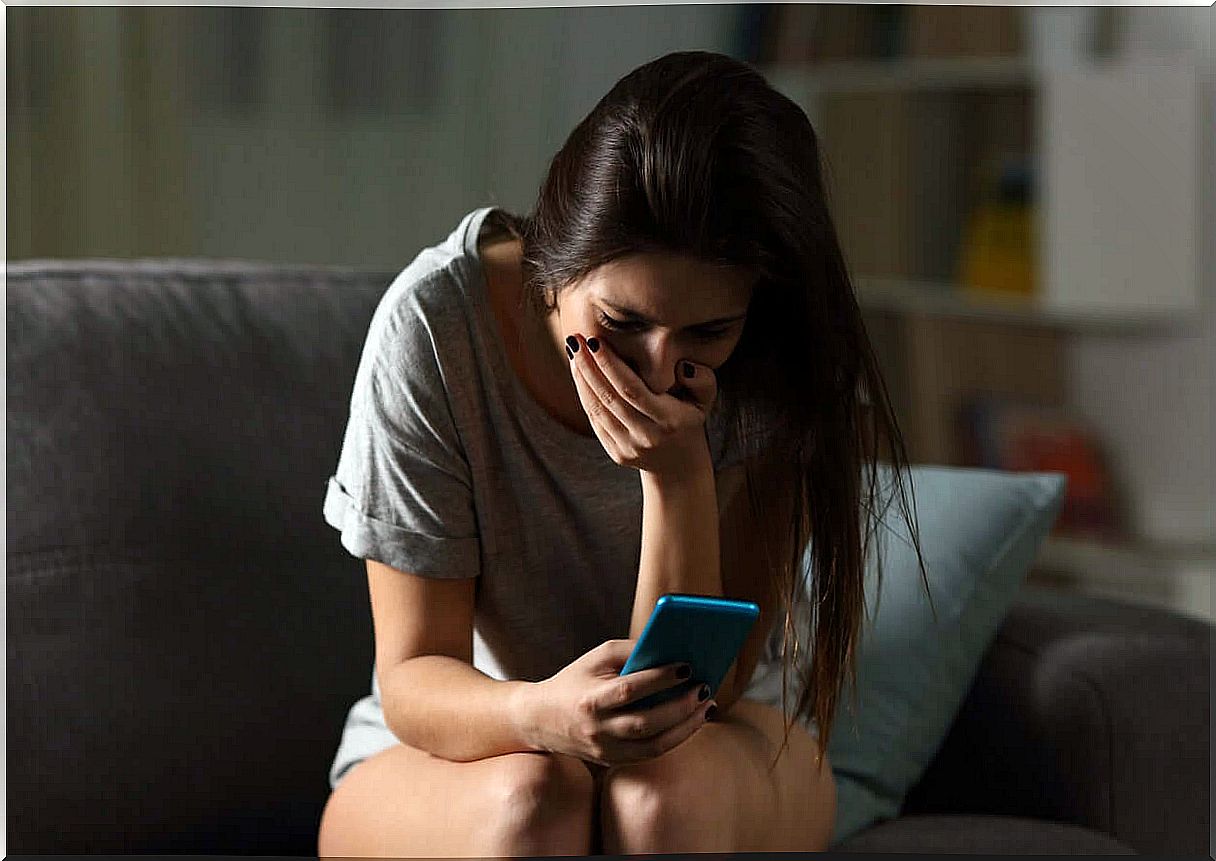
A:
(695, 154)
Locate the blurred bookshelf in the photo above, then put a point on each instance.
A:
(944, 299)
(989, 223)
(939, 354)
(838, 77)
(970, 168)
(1174, 575)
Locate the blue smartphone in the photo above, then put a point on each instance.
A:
(700, 630)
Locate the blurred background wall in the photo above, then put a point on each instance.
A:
(1021, 192)
(305, 135)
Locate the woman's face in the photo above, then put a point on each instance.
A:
(654, 310)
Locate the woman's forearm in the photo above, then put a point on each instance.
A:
(444, 706)
(680, 547)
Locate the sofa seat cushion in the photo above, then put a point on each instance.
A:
(982, 835)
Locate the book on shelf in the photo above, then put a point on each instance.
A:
(897, 197)
(826, 32)
(997, 249)
(963, 31)
(1015, 435)
(821, 32)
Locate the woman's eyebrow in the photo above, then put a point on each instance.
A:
(642, 318)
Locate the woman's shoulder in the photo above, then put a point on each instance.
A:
(431, 300)
(438, 278)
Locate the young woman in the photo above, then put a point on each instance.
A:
(658, 381)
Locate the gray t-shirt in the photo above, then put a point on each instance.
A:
(450, 468)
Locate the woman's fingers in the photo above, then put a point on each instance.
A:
(624, 690)
(672, 737)
(633, 392)
(608, 390)
(616, 396)
(603, 422)
(702, 384)
(612, 655)
(639, 723)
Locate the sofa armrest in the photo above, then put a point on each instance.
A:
(1088, 711)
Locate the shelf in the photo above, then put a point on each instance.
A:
(943, 299)
(1172, 575)
(1117, 228)
(1096, 560)
(936, 74)
(902, 75)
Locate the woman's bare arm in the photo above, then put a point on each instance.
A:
(680, 551)
(433, 698)
(690, 545)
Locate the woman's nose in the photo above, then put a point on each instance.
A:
(659, 373)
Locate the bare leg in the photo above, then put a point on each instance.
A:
(597, 819)
(406, 803)
(713, 793)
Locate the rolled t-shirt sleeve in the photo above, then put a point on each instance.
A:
(402, 493)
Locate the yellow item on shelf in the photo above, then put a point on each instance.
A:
(998, 253)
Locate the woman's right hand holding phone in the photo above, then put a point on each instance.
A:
(583, 710)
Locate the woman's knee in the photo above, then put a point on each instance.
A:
(651, 799)
(543, 800)
(517, 804)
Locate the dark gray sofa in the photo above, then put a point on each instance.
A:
(185, 633)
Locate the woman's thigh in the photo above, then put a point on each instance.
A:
(404, 802)
(716, 793)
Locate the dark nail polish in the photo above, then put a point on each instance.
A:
(593, 345)
(689, 370)
(569, 353)
(711, 712)
(684, 672)
(703, 694)
(572, 342)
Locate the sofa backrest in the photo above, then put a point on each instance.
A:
(185, 633)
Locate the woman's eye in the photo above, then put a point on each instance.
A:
(626, 326)
(619, 325)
